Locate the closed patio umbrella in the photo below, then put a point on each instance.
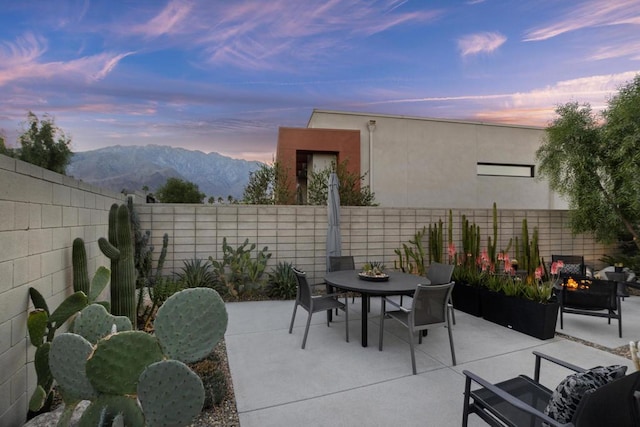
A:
(334, 242)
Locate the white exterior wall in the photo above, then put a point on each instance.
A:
(432, 163)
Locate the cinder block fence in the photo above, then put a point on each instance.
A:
(42, 212)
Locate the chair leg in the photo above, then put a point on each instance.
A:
(346, 315)
(413, 350)
(453, 315)
(453, 352)
(561, 319)
(467, 398)
(295, 307)
(306, 331)
(382, 314)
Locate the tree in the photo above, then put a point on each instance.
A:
(176, 190)
(351, 194)
(43, 144)
(269, 185)
(596, 165)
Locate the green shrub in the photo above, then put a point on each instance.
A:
(196, 273)
(282, 282)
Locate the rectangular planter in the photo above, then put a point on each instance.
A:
(467, 298)
(529, 317)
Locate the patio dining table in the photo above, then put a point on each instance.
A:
(398, 284)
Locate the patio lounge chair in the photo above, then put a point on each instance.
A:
(601, 396)
(573, 265)
(315, 303)
(600, 298)
(429, 309)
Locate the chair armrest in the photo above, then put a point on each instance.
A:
(511, 399)
(536, 374)
(398, 306)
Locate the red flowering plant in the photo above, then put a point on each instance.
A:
(541, 290)
(500, 277)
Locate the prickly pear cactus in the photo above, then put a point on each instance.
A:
(95, 322)
(119, 359)
(67, 360)
(123, 368)
(190, 324)
(170, 394)
(105, 409)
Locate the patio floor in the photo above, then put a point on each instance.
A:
(335, 383)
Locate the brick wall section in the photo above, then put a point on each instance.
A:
(41, 212)
(297, 234)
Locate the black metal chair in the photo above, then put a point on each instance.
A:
(521, 401)
(573, 265)
(439, 274)
(316, 303)
(429, 309)
(599, 298)
(341, 263)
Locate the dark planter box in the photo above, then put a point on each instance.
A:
(529, 317)
(467, 298)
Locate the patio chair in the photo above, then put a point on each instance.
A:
(316, 303)
(601, 396)
(340, 263)
(573, 265)
(439, 274)
(429, 309)
(599, 298)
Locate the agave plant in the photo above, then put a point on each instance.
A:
(282, 281)
(196, 273)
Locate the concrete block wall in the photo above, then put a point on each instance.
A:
(297, 234)
(41, 212)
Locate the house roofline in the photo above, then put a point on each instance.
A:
(429, 119)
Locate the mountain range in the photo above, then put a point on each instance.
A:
(130, 168)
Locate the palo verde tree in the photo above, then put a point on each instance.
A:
(350, 190)
(176, 190)
(596, 164)
(268, 185)
(43, 144)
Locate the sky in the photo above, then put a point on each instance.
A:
(223, 75)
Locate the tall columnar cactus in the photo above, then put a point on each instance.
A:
(80, 272)
(470, 242)
(126, 367)
(119, 249)
(436, 242)
(527, 251)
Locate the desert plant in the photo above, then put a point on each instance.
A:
(196, 273)
(119, 249)
(411, 259)
(139, 377)
(281, 281)
(238, 272)
(162, 289)
(436, 242)
(42, 325)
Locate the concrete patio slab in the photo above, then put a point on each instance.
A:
(335, 383)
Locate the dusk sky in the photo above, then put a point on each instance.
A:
(224, 75)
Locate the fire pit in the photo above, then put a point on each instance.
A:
(590, 297)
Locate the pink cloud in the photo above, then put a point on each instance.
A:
(474, 44)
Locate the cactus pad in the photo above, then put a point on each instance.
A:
(119, 359)
(67, 359)
(95, 322)
(170, 393)
(190, 324)
(107, 407)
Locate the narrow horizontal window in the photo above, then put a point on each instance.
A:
(501, 169)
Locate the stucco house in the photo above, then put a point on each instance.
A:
(424, 162)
